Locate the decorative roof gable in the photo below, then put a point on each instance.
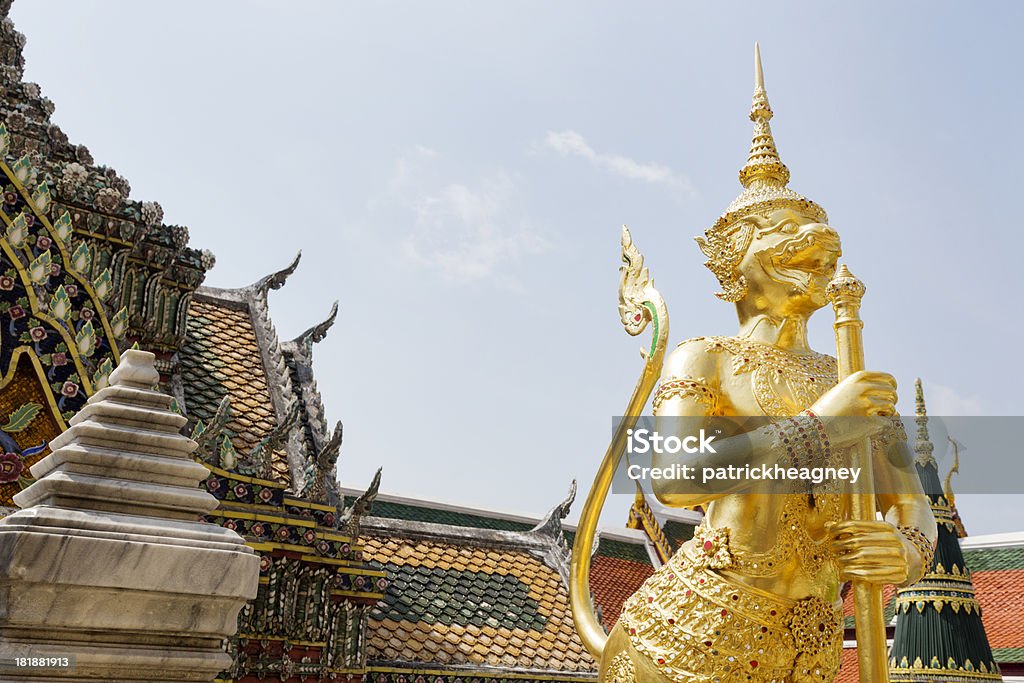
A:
(252, 401)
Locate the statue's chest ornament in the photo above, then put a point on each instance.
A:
(783, 383)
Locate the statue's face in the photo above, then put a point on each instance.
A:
(790, 261)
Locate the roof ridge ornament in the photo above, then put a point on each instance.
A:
(319, 472)
(947, 485)
(277, 279)
(316, 333)
(349, 518)
(557, 554)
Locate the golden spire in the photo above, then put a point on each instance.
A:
(764, 177)
(923, 445)
(763, 162)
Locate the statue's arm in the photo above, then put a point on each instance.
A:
(903, 503)
(690, 390)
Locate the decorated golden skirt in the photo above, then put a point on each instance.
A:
(697, 626)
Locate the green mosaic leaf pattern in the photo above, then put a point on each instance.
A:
(449, 596)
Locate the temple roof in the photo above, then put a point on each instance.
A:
(469, 597)
(221, 359)
(666, 528)
(478, 588)
(232, 352)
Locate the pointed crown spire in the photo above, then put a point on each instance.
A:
(764, 177)
(923, 446)
(763, 163)
(765, 187)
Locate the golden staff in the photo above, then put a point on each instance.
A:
(845, 291)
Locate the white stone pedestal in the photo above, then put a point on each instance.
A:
(107, 563)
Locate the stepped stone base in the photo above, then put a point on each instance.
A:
(109, 567)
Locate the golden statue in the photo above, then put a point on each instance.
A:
(755, 596)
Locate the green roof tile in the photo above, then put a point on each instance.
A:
(994, 559)
(1008, 655)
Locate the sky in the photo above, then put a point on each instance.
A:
(456, 175)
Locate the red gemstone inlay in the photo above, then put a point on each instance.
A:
(638, 317)
(708, 545)
(661, 660)
(708, 643)
(725, 613)
(753, 663)
(671, 621)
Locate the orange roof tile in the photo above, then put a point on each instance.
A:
(221, 357)
(1001, 596)
(848, 671)
(612, 580)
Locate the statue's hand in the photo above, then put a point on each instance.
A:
(875, 552)
(858, 401)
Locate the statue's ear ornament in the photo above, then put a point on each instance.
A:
(725, 247)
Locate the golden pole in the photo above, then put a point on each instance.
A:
(845, 292)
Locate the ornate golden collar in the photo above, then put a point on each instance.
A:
(784, 383)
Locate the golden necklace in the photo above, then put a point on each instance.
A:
(783, 383)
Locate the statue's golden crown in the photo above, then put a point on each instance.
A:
(765, 187)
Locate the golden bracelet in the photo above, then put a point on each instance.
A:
(924, 545)
(801, 440)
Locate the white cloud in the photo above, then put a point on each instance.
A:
(943, 401)
(571, 143)
(466, 233)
